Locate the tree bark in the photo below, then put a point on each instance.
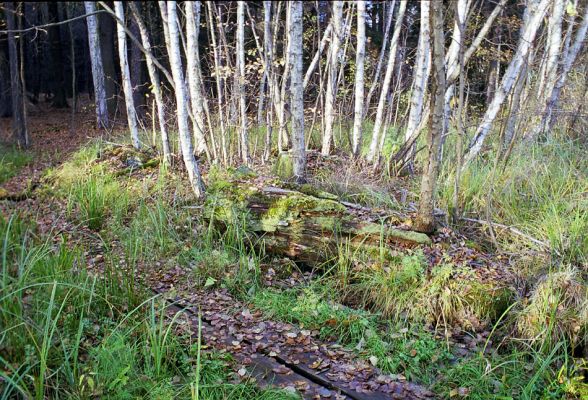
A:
(359, 80)
(373, 152)
(304, 224)
(102, 118)
(509, 78)
(19, 128)
(331, 93)
(425, 220)
(421, 77)
(173, 46)
(155, 81)
(194, 75)
(126, 74)
(296, 92)
(241, 81)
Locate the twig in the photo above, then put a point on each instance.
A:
(512, 230)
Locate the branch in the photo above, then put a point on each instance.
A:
(42, 27)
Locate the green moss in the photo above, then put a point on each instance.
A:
(284, 168)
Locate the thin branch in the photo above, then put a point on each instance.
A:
(42, 27)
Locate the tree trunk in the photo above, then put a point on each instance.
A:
(425, 220)
(106, 31)
(554, 38)
(241, 81)
(376, 76)
(421, 76)
(155, 82)
(194, 75)
(219, 81)
(296, 92)
(373, 152)
(359, 80)
(19, 128)
(509, 78)
(547, 119)
(102, 118)
(126, 74)
(306, 225)
(332, 76)
(173, 46)
(137, 78)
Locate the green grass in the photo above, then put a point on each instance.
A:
(11, 161)
(542, 192)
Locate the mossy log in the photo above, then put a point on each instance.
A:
(309, 227)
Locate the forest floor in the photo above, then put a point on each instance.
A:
(183, 310)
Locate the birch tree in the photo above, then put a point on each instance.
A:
(19, 126)
(155, 82)
(173, 48)
(331, 93)
(373, 151)
(241, 81)
(420, 79)
(102, 119)
(359, 78)
(296, 91)
(425, 220)
(568, 61)
(192, 9)
(510, 76)
(126, 74)
(554, 42)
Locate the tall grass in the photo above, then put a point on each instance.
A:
(11, 161)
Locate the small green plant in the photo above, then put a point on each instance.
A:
(11, 161)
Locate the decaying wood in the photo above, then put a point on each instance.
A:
(307, 226)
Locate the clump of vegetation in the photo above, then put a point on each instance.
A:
(557, 311)
(11, 161)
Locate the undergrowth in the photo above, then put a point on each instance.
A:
(11, 161)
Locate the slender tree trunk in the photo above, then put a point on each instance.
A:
(509, 78)
(126, 74)
(547, 119)
(554, 42)
(332, 76)
(173, 46)
(425, 220)
(137, 78)
(296, 91)
(421, 77)
(102, 118)
(268, 60)
(359, 79)
(377, 72)
(19, 128)
(315, 60)
(155, 82)
(241, 81)
(460, 24)
(373, 152)
(194, 75)
(219, 80)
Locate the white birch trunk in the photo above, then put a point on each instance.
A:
(154, 77)
(568, 62)
(554, 41)
(376, 77)
(102, 120)
(218, 81)
(332, 76)
(241, 81)
(126, 74)
(173, 46)
(296, 91)
(317, 55)
(373, 152)
(192, 10)
(421, 75)
(359, 79)
(509, 78)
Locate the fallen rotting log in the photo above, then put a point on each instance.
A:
(309, 227)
